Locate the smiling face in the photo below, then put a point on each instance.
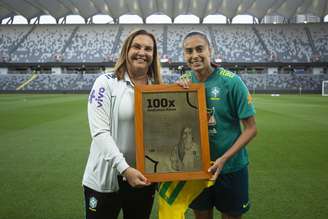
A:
(140, 55)
(197, 54)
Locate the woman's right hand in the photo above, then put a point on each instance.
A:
(135, 178)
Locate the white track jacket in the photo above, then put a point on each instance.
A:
(105, 160)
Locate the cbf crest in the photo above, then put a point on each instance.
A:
(215, 93)
(93, 203)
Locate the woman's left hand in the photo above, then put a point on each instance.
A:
(184, 83)
(216, 168)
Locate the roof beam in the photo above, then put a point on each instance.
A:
(201, 8)
(142, 12)
(259, 8)
(68, 5)
(204, 11)
(117, 7)
(11, 8)
(5, 12)
(288, 8)
(304, 8)
(273, 7)
(101, 6)
(85, 7)
(326, 10)
(244, 6)
(41, 9)
(109, 10)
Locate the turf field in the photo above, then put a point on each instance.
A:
(44, 143)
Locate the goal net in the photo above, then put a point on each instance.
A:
(324, 88)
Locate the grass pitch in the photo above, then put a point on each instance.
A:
(44, 144)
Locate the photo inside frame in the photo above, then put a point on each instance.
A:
(171, 132)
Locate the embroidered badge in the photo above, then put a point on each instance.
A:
(93, 204)
(215, 92)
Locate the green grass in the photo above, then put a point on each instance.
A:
(44, 144)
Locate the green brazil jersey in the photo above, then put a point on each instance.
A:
(228, 101)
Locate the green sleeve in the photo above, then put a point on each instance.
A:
(242, 99)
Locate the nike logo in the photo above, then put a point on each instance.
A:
(246, 205)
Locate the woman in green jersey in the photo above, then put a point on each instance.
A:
(231, 126)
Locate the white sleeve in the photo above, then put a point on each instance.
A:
(100, 118)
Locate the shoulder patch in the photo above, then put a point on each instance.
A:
(249, 99)
(226, 73)
(110, 75)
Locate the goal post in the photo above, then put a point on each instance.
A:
(324, 88)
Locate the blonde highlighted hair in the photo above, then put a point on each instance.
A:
(154, 71)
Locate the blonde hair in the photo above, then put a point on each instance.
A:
(154, 71)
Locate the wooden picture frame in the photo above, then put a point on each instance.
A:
(171, 132)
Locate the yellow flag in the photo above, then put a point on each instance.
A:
(175, 197)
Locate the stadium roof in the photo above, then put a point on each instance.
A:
(172, 8)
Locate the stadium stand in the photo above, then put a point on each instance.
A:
(84, 82)
(283, 82)
(49, 82)
(320, 40)
(91, 44)
(238, 43)
(248, 45)
(288, 42)
(41, 44)
(10, 36)
(99, 43)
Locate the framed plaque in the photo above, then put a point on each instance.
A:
(171, 132)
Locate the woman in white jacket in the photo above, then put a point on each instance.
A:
(110, 181)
